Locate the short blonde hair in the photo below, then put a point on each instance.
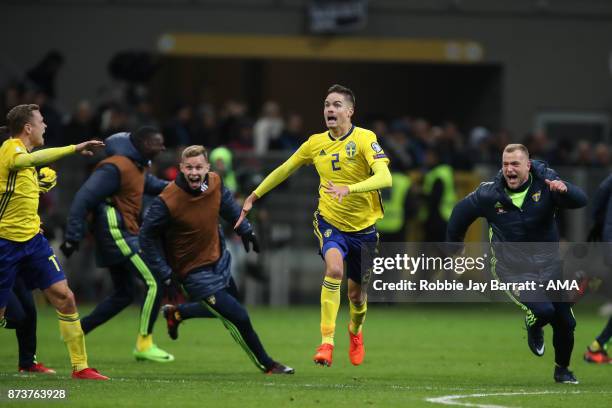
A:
(194, 151)
(516, 146)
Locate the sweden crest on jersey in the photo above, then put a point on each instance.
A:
(351, 149)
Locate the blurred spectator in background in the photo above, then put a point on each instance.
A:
(562, 155)
(221, 163)
(114, 119)
(497, 143)
(538, 145)
(80, 127)
(450, 143)
(481, 145)
(242, 140)
(583, 153)
(380, 128)
(143, 115)
(267, 128)
(601, 155)
(11, 97)
(53, 119)
(397, 147)
(421, 133)
(439, 196)
(206, 132)
(44, 73)
(231, 119)
(178, 130)
(292, 135)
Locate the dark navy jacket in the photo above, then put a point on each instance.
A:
(602, 208)
(94, 196)
(213, 277)
(534, 222)
(602, 216)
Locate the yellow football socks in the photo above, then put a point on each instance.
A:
(72, 333)
(358, 314)
(330, 302)
(144, 343)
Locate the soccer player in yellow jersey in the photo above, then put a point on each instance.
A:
(23, 248)
(352, 167)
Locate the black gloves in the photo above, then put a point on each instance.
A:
(68, 247)
(250, 238)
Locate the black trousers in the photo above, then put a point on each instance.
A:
(560, 316)
(225, 306)
(21, 316)
(123, 276)
(606, 334)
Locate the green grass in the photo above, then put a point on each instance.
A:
(414, 352)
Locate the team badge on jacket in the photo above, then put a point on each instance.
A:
(499, 208)
(536, 196)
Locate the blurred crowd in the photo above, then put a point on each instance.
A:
(260, 129)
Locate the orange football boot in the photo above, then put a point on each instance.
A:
(324, 354)
(356, 349)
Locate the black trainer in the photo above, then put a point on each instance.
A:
(535, 339)
(172, 323)
(564, 376)
(278, 368)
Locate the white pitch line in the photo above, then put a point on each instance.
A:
(452, 399)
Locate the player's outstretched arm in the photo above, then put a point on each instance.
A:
(46, 156)
(278, 175)
(87, 148)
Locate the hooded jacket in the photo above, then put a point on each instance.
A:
(99, 196)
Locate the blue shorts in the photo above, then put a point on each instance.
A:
(33, 260)
(350, 245)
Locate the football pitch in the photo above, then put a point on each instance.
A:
(417, 356)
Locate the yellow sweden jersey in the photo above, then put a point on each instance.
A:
(19, 194)
(345, 161)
